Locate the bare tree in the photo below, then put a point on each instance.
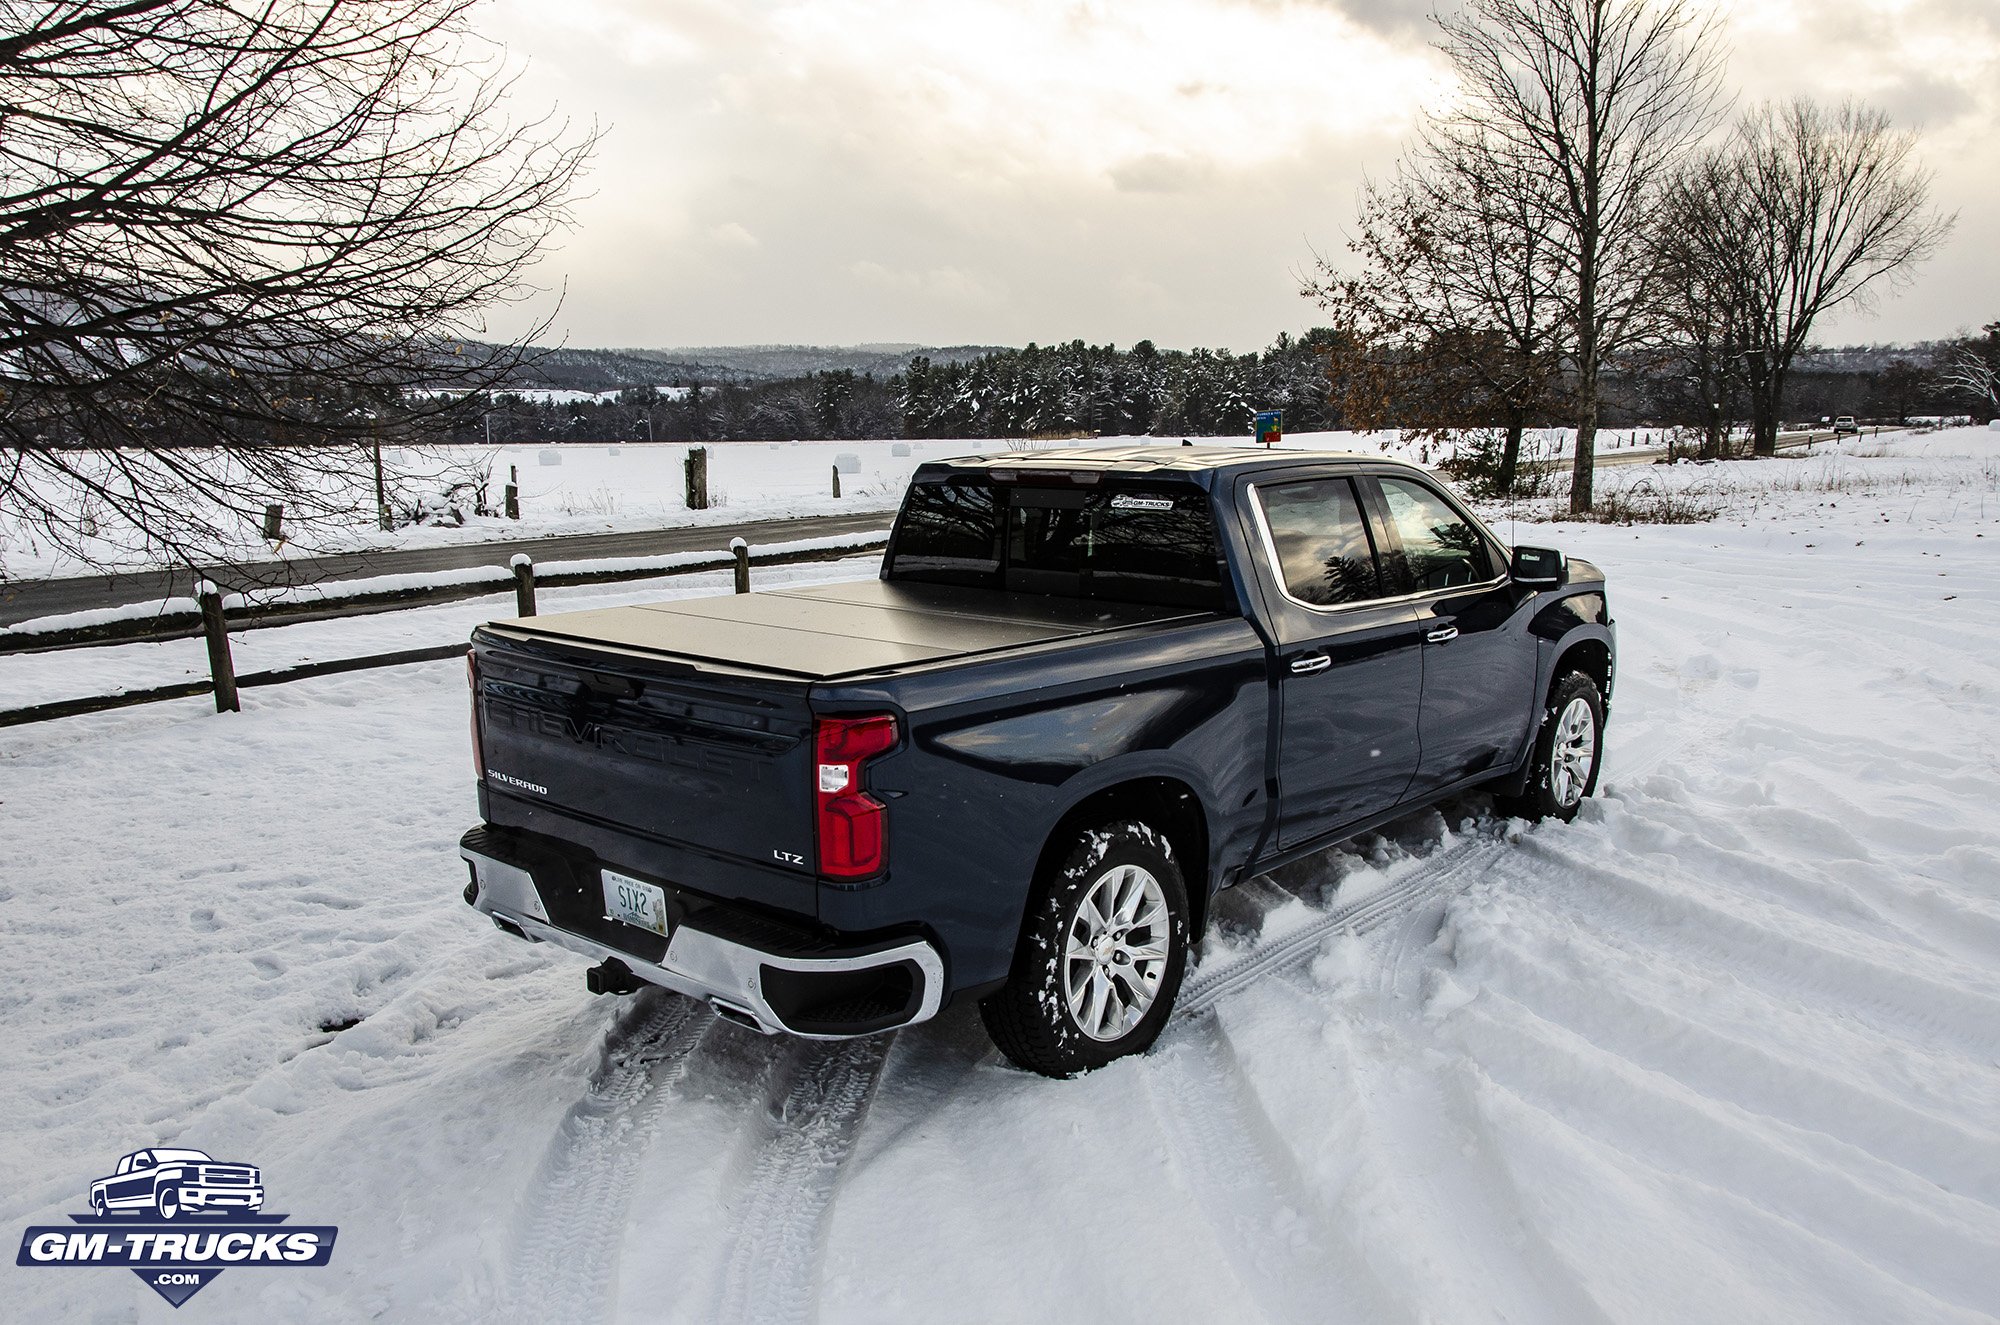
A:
(1596, 101)
(1972, 368)
(240, 240)
(1803, 210)
(1702, 306)
(1454, 318)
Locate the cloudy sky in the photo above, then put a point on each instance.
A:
(1000, 171)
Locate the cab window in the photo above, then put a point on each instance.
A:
(1440, 548)
(1321, 541)
(1121, 541)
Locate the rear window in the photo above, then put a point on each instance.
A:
(1129, 543)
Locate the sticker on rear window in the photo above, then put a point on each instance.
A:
(1125, 501)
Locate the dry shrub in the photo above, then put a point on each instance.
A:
(1648, 501)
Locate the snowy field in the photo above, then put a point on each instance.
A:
(579, 489)
(1725, 1049)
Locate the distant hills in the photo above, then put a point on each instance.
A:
(770, 362)
(572, 369)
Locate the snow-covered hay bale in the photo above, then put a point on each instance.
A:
(1993, 424)
(847, 462)
(550, 457)
(900, 449)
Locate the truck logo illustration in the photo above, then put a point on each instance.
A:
(171, 1183)
(177, 1218)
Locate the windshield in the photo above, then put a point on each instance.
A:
(169, 1156)
(1133, 543)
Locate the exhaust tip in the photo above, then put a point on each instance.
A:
(729, 1012)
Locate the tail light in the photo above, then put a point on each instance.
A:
(472, 678)
(850, 824)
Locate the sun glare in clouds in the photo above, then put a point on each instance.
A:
(1142, 94)
(1005, 170)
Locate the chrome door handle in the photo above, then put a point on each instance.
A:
(1312, 662)
(1442, 633)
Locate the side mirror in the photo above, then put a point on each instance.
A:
(1539, 568)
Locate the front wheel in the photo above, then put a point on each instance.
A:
(168, 1202)
(1568, 749)
(1100, 958)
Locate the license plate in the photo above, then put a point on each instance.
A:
(635, 902)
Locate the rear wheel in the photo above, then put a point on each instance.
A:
(1568, 749)
(1100, 958)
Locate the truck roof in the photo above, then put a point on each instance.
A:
(1154, 459)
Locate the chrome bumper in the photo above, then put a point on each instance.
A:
(721, 972)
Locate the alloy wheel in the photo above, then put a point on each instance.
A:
(1116, 952)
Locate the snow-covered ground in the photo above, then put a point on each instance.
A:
(1727, 1048)
(579, 489)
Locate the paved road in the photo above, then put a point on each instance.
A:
(23, 599)
(1786, 441)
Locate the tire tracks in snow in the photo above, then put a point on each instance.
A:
(565, 1261)
(776, 1241)
(1481, 1257)
(1432, 875)
(1245, 1179)
(1248, 1186)
(1756, 943)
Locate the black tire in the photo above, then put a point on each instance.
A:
(1542, 799)
(168, 1202)
(1031, 1019)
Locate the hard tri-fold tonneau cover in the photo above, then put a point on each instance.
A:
(837, 630)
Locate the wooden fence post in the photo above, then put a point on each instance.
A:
(513, 492)
(221, 669)
(741, 551)
(524, 584)
(697, 478)
(836, 480)
(274, 522)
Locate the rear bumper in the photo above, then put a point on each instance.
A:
(751, 971)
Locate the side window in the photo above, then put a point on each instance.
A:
(1440, 549)
(1322, 542)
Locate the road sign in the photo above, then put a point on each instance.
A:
(1269, 426)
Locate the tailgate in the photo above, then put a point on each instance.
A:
(694, 778)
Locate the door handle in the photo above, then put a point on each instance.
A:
(1442, 633)
(1312, 662)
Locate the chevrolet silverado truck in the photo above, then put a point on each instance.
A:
(171, 1182)
(1088, 690)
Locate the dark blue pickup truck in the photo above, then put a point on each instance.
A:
(1089, 689)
